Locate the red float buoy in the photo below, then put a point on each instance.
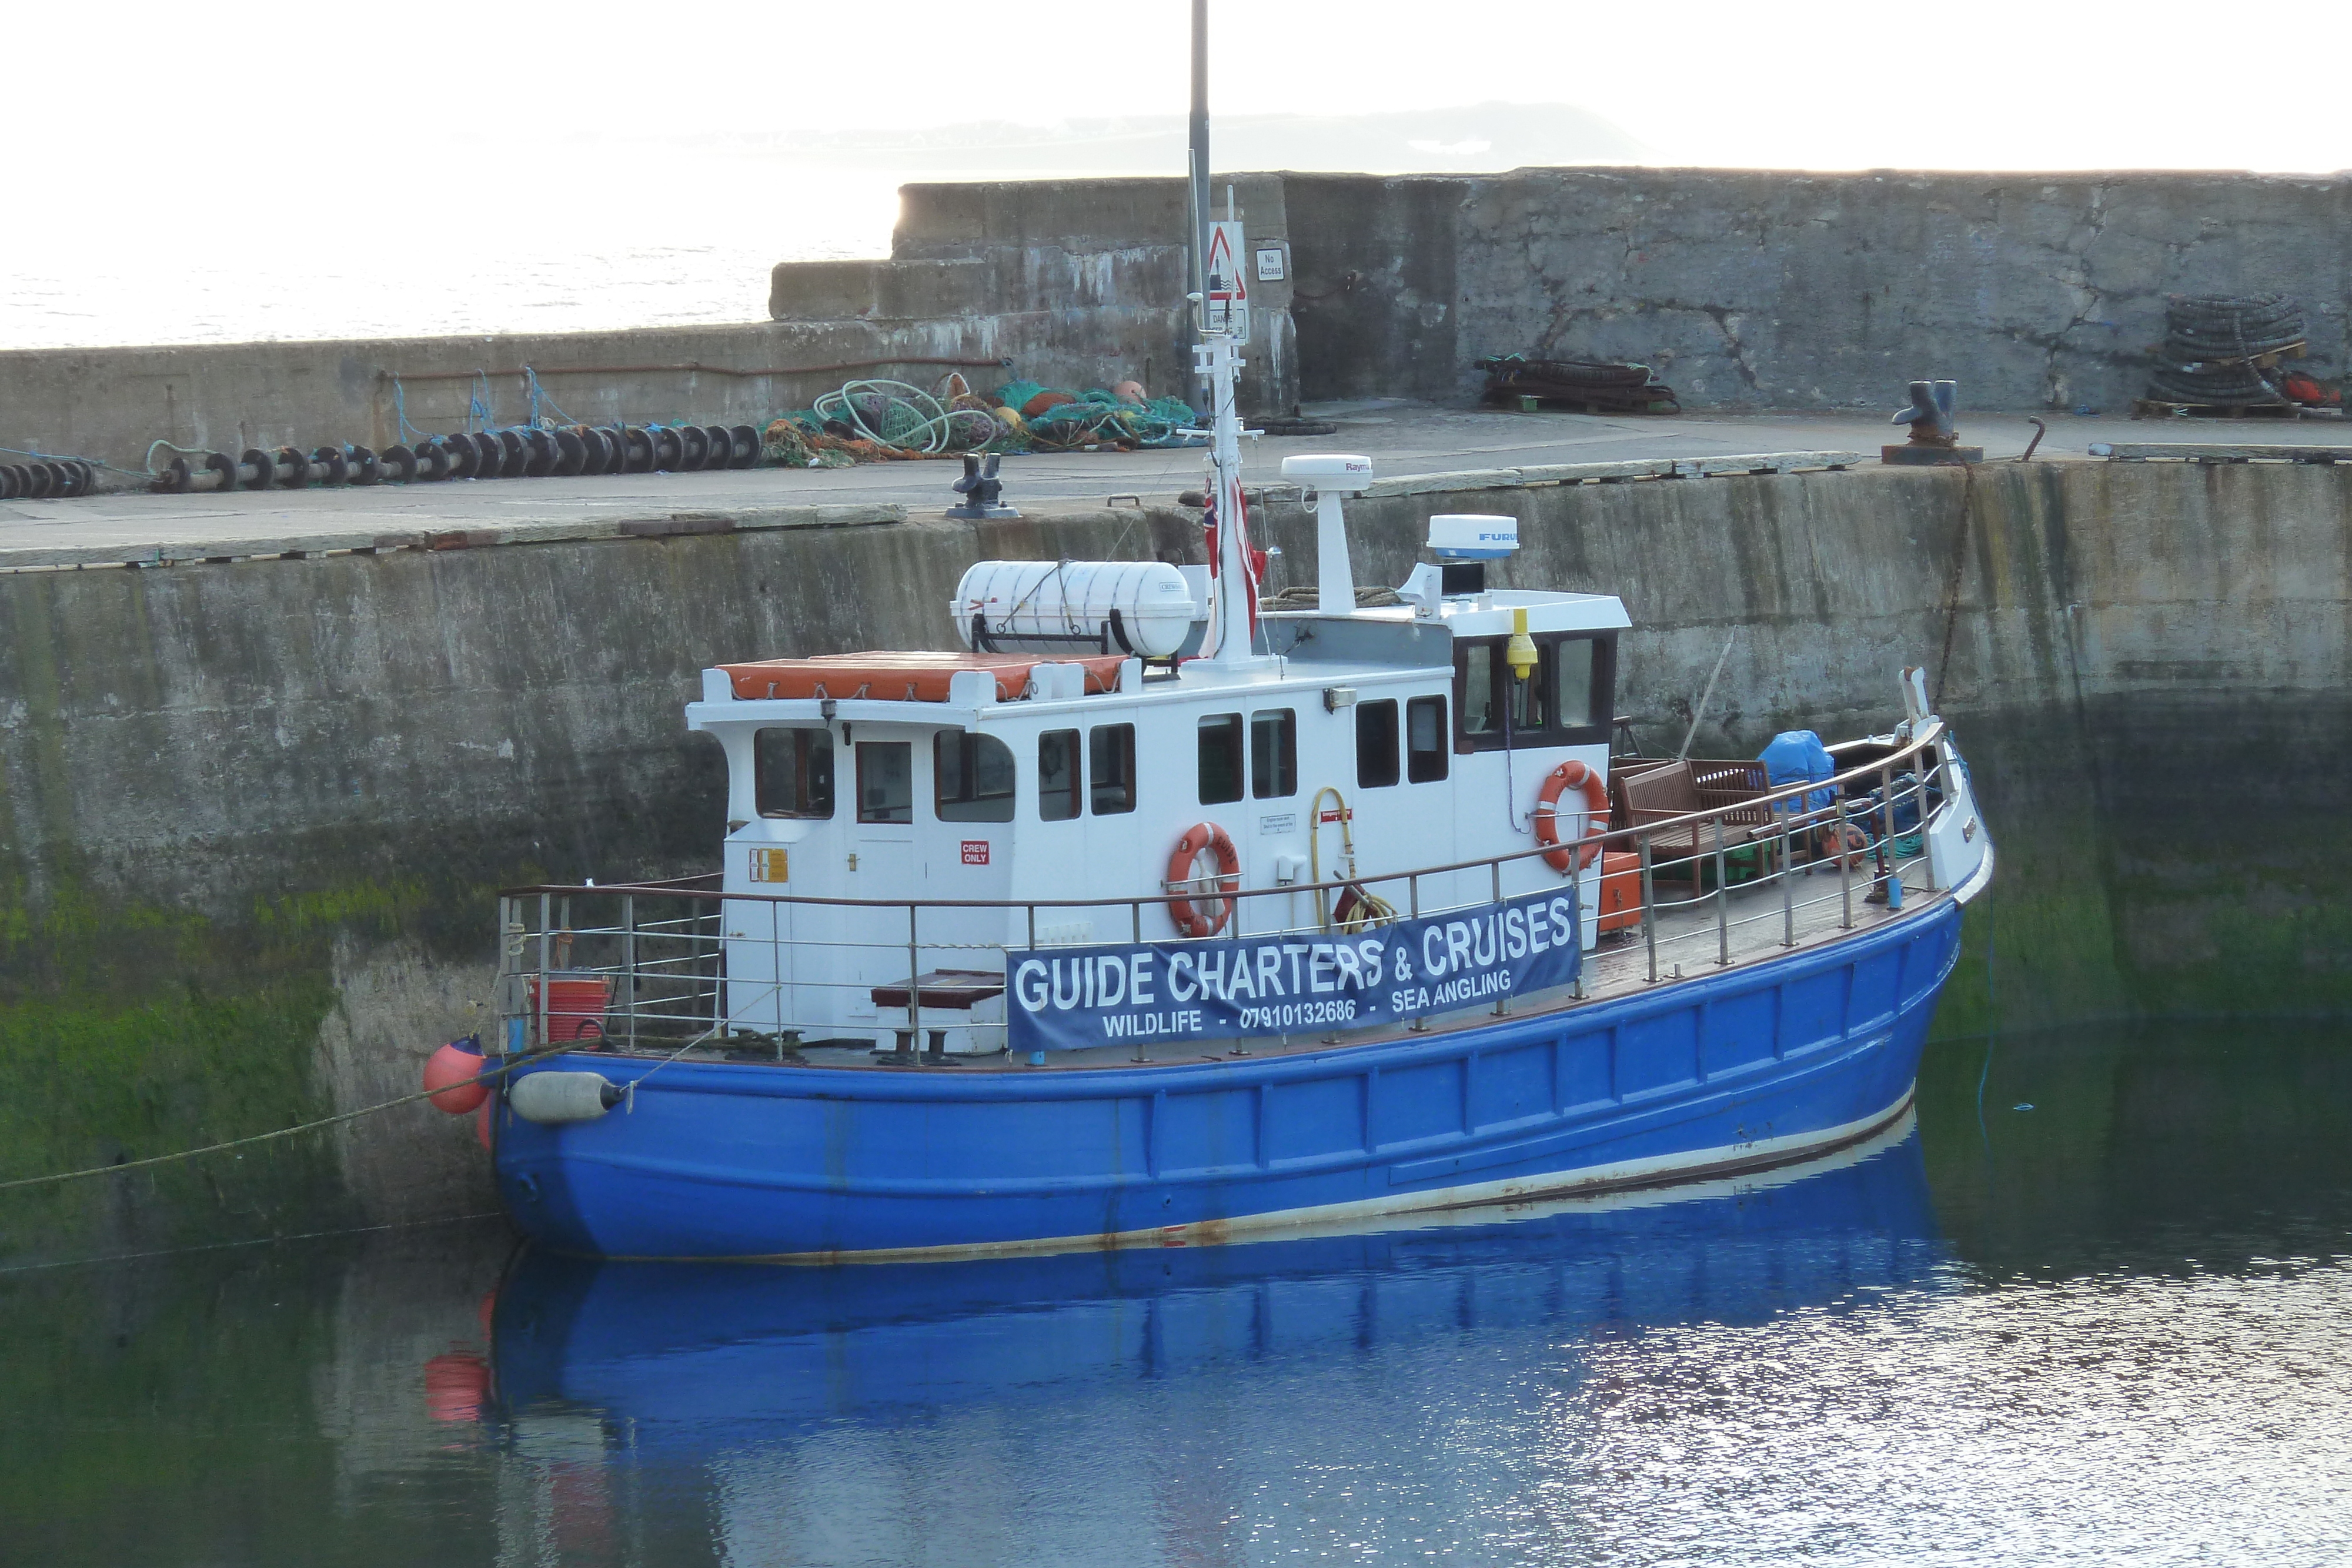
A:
(457, 1386)
(452, 1076)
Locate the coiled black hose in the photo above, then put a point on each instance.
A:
(2211, 346)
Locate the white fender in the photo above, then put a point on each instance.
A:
(553, 1098)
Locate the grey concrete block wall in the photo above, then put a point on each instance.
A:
(1798, 290)
(110, 403)
(944, 220)
(1746, 289)
(1102, 263)
(175, 733)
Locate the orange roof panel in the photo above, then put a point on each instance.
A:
(921, 677)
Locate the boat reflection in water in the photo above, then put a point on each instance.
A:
(718, 1356)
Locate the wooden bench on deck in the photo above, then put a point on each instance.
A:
(1662, 791)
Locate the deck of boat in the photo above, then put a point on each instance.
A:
(1754, 923)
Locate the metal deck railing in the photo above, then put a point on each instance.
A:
(642, 966)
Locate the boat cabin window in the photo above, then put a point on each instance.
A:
(972, 777)
(1531, 698)
(1110, 767)
(885, 781)
(1057, 775)
(1220, 758)
(1274, 753)
(1376, 743)
(1475, 681)
(792, 772)
(1424, 739)
(1568, 699)
(1580, 707)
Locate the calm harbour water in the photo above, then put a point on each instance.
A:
(2107, 1329)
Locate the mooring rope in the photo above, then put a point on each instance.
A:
(487, 1073)
(69, 458)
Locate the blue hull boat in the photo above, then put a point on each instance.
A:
(1413, 947)
(704, 1358)
(1765, 1064)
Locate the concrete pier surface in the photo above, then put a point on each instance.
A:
(1405, 439)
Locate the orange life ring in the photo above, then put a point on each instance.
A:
(1572, 775)
(1199, 839)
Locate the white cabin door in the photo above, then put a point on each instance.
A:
(881, 866)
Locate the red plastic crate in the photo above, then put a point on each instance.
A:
(575, 1005)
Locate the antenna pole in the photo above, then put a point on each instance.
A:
(1197, 213)
(1200, 211)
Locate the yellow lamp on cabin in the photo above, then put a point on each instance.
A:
(1519, 653)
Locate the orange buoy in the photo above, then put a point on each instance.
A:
(457, 1386)
(1572, 775)
(1194, 919)
(452, 1076)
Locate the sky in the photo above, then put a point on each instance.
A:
(279, 170)
(170, 99)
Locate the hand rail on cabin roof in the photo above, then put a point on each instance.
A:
(1924, 738)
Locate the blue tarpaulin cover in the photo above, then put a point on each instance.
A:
(1796, 755)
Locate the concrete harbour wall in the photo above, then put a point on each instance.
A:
(1799, 290)
(112, 403)
(1745, 290)
(252, 814)
(1074, 283)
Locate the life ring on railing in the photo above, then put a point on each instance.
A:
(1572, 775)
(1192, 919)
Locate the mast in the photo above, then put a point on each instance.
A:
(1198, 166)
(1229, 642)
(1233, 596)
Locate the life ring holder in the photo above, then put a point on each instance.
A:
(1572, 775)
(1183, 885)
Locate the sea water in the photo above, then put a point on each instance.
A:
(2089, 1307)
(602, 240)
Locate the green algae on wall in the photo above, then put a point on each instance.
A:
(134, 1031)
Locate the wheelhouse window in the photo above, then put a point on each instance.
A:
(1273, 754)
(1376, 744)
(1220, 758)
(1424, 739)
(1531, 706)
(1057, 775)
(1568, 699)
(972, 777)
(885, 781)
(1110, 767)
(792, 772)
(1475, 678)
(1583, 704)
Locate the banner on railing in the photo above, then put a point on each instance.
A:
(1068, 999)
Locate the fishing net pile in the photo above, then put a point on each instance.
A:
(876, 420)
